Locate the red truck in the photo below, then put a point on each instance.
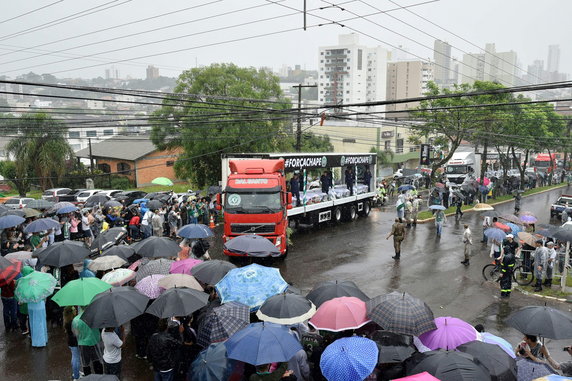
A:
(256, 200)
(543, 163)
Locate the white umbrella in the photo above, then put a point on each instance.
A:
(106, 262)
(179, 280)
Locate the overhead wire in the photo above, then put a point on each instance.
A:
(30, 12)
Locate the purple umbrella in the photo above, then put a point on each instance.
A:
(149, 286)
(527, 218)
(450, 333)
(184, 266)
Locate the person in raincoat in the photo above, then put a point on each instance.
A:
(508, 261)
(86, 272)
(38, 323)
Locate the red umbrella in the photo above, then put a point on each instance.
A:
(502, 227)
(9, 270)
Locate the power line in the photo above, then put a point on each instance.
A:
(30, 12)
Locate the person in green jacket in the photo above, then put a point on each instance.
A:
(88, 340)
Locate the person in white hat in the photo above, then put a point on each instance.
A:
(551, 258)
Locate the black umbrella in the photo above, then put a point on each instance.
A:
(211, 272)
(13, 212)
(501, 366)
(178, 302)
(448, 366)
(115, 307)
(122, 251)
(112, 204)
(108, 238)
(286, 309)
(542, 321)
(393, 347)
(62, 254)
(154, 205)
(334, 289)
(252, 245)
(96, 199)
(563, 233)
(40, 204)
(157, 247)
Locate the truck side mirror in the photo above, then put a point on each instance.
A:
(289, 200)
(218, 202)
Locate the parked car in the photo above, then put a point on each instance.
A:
(71, 196)
(111, 193)
(129, 196)
(83, 196)
(54, 194)
(17, 202)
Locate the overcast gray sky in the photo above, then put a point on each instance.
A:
(267, 34)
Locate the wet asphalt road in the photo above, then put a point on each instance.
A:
(430, 269)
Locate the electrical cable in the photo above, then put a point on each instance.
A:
(30, 12)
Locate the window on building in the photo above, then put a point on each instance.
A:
(73, 134)
(105, 168)
(123, 168)
(170, 163)
(359, 59)
(107, 132)
(387, 145)
(91, 133)
(399, 144)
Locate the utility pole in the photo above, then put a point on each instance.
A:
(299, 126)
(90, 157)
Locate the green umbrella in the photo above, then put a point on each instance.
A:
(80, 292)
(35, 287)
(162, 181)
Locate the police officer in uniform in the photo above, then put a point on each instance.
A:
(398, 233)
(507, 266)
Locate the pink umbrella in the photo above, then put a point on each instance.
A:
(418, 377)
(486, 181)
(450, 333)
(149, 286)
(184, 266)
(340, 314)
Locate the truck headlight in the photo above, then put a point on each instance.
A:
(278, 241)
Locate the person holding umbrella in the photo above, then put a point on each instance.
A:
(88, 340)
(440, 219)
(533, 350)
(112, 351)
(398, 233)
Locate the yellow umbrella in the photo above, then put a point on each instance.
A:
(482, 207)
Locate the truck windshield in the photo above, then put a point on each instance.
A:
(542, 164)
(252, 202)
(456, 169)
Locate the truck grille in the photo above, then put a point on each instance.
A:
(252, 228)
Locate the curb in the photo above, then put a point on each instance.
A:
(540, 296)
(493, 204)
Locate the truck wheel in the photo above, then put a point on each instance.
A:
(337, 215)
(350, 213)
(366, 209)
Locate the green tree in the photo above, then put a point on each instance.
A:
(8, 171)
(310, 143)
(215, 115)
(444, 121)
(40, 148)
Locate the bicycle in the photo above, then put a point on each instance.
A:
(492, 272)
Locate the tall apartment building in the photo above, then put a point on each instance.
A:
(405, 79)
(553, 63)
(352, 73)
(152, 72)
(443, 63)
(491, 66)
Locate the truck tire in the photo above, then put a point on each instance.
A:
(350, 213)
(337, 215)
(366, 209)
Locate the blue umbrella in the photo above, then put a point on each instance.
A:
(10, 220)
(528, 370)
(349, 359)
(489, 338)
(212, 364)
(42, 224)
(263, 343)
(495, 234)
(67, 209)
(515, 229)
(437, 207)
(251, 285)
(405, 187)
(195, 231)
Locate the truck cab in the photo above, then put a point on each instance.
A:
(461, 165)
(255, 201)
